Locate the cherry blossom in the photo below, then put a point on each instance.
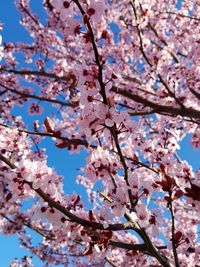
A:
(117, 81)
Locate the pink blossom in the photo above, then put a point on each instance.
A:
(35, 108)
(96, 10)
(115, 82)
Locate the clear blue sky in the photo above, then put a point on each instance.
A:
(14, 32)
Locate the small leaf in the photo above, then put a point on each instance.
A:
(36, 125)
(162, 168)
(63, 144)
(91, 218)
(135, 158)
(177, 236)
(88, 251)
(9, 196)
(178, 194)
(48, 124)
(76, 201)
(108, 234)
(193, 192)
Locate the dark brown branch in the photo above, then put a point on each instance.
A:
(172, 94)
(163, 42)
(160, 109)
(96, 54)
(76, 141)
(40, 98)
(136, 113)
(7, 162)
(69, 142)
(110, 262)
(66, 212)
(152, 250)
(140, 35)
(181, 15)
(83, 222)
(24, 223)
(196, 94)
(141, 164)
(8, 219)
(139, 247)
(36, 73)
(123, 162)
(173, 234)
(147, 59)
(130, 224)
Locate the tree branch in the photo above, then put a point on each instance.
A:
(138, 247)
(40, 98)
(66, 212)
(36, 73)
(130, 224)
(160, 109)
(173, 234)
(36, 229)
(96, 54)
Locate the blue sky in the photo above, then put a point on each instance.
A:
(63, 162)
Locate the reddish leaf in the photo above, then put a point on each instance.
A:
(193, 192)
(88, 251)
(178, 236)
(91, 218)
(167, 183)
(43, 209)
(170, 181)
(162, 168)
(63, 144)
(63, 219)
(131, 253)
(111, 101)
(108, 234)
(165, 186)
(76, 201)
(191, 250)
(135, 158)
(36, 125)
(168, 199)
(144, 13)
(152, 219)
(48, 124)
(9, 196)
(105, 35)
(178, 194)
(114, 76)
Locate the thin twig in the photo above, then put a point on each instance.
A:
(173, 233)
(160, 109)
(36, 73)
(40, 98)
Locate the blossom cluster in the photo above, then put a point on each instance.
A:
(118, 81)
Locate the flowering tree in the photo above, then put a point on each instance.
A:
(121, 81)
